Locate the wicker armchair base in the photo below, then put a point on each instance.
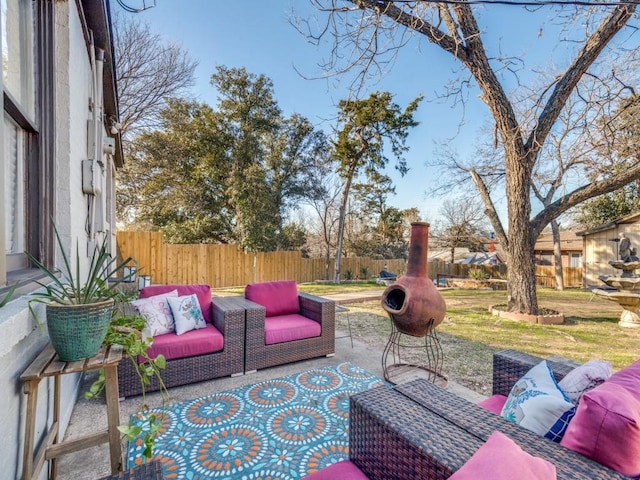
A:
(258, 355)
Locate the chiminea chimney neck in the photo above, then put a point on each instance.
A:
(417, 263)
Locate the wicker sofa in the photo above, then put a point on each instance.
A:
(419, 430)
(227, 315)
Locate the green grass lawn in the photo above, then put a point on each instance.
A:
(590, 330)
(470, 335)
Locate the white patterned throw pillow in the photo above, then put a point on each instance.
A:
(538, 404)
(156, 312)
(187, 314)
(585, 377)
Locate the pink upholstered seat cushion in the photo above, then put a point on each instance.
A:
(606, 427)
(203, 292)
(196, 342)
(285, 328)
(279, 298)
(343, 470)
(494, 403)
(500, 458)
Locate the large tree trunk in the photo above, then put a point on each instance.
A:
(521, 275)
(557, 255)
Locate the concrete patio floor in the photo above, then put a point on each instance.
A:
(89, 416)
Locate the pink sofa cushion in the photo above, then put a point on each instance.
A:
(279, 298)
(285, 328)
(196, 342)
(494, 403)
(606, 427)
(343, 470)
(203, 292)
(500, 458)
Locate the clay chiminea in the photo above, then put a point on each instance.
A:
(413, 300)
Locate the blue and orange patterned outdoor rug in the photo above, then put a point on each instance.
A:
(284, 428)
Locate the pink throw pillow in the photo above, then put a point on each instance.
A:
(500, 458)
(279, 298)
(606, 427)
(342, 470)
(495, 403)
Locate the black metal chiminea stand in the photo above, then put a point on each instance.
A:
(406, 357)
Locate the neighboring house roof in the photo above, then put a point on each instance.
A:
(483, 258)
(631, 218)
(445, 255)
(569, 241)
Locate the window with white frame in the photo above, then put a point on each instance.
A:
(19, 127)
(18, 57)
(28, 137)
(575, 259)
(14, 187)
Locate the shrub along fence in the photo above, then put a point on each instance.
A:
(227, 265)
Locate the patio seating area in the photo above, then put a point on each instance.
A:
(89, 415)
(421, 430)
(237, 336)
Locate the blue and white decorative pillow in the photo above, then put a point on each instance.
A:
(538, 404)
(187, 314)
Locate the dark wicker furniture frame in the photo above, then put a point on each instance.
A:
(228, 317)
(147, 471)
(419, 430)
(258, 355)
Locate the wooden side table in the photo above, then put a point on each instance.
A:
(47, 364)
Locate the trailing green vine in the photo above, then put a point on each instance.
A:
(126, 330)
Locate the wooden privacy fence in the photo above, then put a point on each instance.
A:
(546, 276)
(227, 265)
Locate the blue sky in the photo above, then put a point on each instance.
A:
(257, 35)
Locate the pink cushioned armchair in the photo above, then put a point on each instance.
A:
(203, 354)
(284, 325)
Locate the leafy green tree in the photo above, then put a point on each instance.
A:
(382, 232)
(606, 208)
(229, 174)
(181, 187)
(294, 237)
(365, 127)
(149, 72)
(271, 158)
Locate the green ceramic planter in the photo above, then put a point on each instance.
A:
(77, 331)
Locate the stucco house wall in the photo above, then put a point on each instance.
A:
(75, 105)
(601, 246)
